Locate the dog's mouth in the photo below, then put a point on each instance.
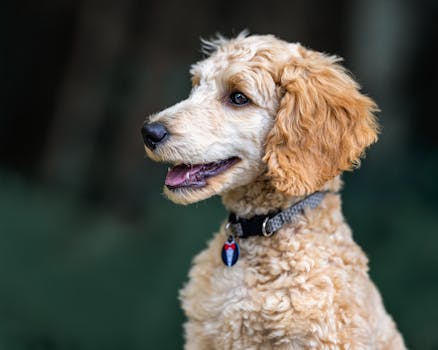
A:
(196, 175)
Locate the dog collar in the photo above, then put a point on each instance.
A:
(267, 225)
(263, 225)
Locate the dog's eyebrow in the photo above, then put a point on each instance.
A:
(244, 82)
(238, 82)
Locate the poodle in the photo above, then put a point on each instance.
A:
(270, 126)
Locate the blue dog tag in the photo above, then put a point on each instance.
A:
(230, 252)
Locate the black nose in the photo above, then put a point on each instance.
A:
(153, 134)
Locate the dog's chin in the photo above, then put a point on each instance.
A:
(187, 195)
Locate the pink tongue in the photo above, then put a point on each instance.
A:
(178, 174)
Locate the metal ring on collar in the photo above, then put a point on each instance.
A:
(264, 232)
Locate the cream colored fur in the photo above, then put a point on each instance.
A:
(307, 286)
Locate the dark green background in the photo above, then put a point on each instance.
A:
(92, 255)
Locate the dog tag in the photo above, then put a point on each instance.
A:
(230, 252)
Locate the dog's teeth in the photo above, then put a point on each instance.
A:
(168, 169)
(187, 176)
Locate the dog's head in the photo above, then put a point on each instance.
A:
(261, 106)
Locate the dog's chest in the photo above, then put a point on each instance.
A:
(257, 299)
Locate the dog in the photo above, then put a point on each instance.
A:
(270, 126)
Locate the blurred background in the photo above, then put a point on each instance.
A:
(92, 255)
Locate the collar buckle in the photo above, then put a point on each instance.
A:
(264, 231)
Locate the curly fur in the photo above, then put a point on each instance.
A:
(307, 286)
(331, 126)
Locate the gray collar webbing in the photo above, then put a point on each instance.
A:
(267, 225)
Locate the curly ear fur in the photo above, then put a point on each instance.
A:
(322, 127)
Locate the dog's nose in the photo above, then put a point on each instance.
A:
(153, 134)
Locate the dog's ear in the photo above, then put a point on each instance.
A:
(322, 127)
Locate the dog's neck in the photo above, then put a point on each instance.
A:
(260, 197)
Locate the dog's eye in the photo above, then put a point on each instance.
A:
(237, 98)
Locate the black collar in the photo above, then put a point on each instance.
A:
(267, 225)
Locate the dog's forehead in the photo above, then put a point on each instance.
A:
(244, 51)
(220, 60)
